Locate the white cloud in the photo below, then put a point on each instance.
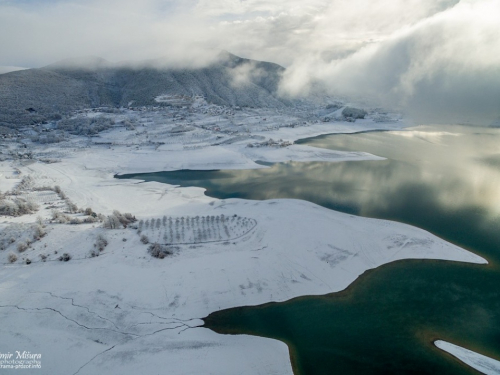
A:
(117, 30)
(446, 67)
(424, 55)
(39, 32)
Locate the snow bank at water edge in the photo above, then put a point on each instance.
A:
(124, 310)
(481, 363)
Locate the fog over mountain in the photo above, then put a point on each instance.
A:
(436, 60)
(445, 68)
(35, 95)
(8, 69)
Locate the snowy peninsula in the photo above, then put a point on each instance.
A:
(111, 276)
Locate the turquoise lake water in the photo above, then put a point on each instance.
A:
(443, 179)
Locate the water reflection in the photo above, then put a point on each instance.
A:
(442, 179)
(461, 165)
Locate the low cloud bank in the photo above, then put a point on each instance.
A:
(438, 60)
(444, 68)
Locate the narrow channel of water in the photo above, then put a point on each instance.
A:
(443, 179)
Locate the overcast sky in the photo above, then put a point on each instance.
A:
(38, 32)
(425, 55)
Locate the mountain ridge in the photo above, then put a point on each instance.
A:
(37, 95)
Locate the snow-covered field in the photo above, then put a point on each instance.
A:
(112, 308)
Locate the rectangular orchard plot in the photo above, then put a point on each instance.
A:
(195, 229)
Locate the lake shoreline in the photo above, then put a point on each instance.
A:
(267, 264)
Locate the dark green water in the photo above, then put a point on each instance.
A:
(443, 179)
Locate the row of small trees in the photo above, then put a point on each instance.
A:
(11, 204)
(118, 220)
(17, 207)
(21, 236)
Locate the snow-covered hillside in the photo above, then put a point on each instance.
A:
(8, 69)
(46, 94)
